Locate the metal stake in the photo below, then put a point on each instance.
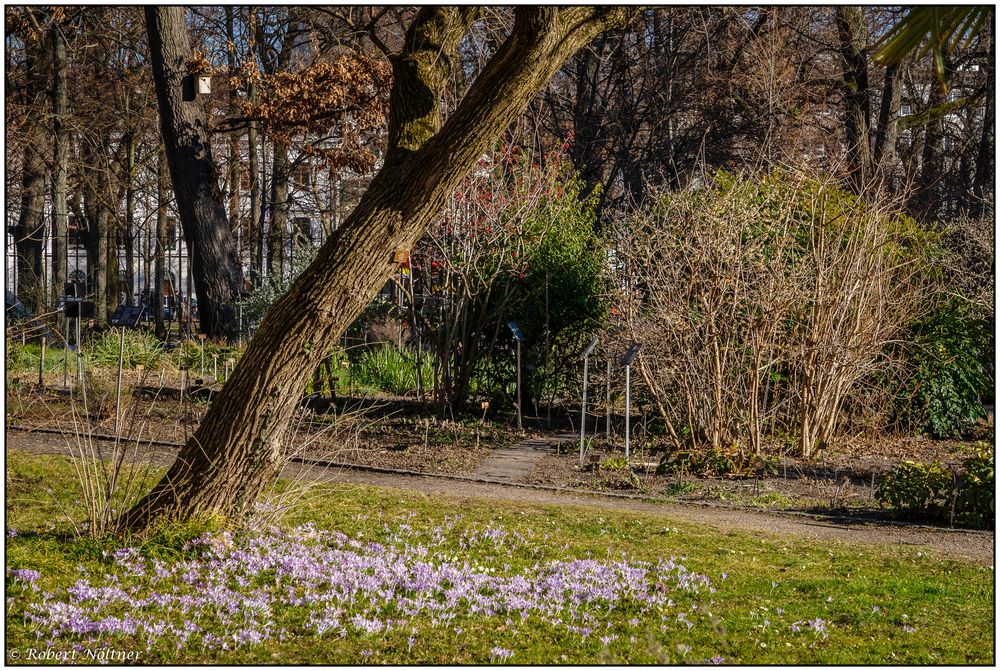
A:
(607, 403)
(66, 356)
(519, 386)
(118, 389)
(79, 354)
(583, 408)
(628, 399)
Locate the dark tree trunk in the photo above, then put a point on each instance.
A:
(588, 116)
(926, 198)
(162, 184)
(888, 119)
(184, 126)
(127, 236)
(256, 227)
(29, 232)
(278, 235)
(112, 277)
(239, 448)
(95, 190)
(857, 103)
(60, 140)
(982, 183)
(235, 160)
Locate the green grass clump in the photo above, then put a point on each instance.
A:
(24, 358)
(776, 600)
(141, 348)
(391, 369)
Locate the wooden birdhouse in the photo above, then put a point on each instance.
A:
(204, 85)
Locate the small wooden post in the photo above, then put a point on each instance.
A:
(201, 337)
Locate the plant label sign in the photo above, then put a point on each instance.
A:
(518, 336)
(630, 354)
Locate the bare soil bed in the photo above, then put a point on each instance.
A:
(395, 433)
(368, 432)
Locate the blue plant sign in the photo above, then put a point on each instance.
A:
(518, 336)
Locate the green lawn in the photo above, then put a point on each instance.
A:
(385, 576)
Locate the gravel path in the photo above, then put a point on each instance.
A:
(976, 546)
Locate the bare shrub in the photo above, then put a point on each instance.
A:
(762, 302)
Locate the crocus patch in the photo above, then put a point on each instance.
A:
(235, 591)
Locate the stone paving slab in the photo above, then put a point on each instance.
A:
(515, 462)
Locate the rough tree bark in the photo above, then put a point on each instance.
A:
(184, 126)
(239, 447)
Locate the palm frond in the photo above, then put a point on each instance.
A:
(938, 29)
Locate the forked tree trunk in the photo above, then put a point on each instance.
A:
(184, 126)
(239, 448)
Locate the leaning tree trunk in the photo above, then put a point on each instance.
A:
(184, 125)
(239, 448)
